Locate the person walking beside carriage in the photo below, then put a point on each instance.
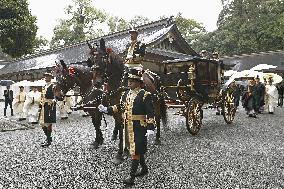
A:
(47, 110)
(19, 104)
(249, 99)
(137, 108)
(31, 105)
(260, 92)
(271, 96)
(8, 94)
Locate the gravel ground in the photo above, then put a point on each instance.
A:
(245, 154)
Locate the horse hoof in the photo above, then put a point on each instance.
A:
(114, 137)
(157, 142)
(95, 145)
(118, 160)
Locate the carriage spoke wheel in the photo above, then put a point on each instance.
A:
(229, 109)
(194, 115)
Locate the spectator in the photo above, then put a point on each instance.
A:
(19, 104)
(8, 94)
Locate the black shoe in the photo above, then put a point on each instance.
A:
(270, 112)
(46, 144)
(142, 173)
(129, 181)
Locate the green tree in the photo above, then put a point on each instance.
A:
(17, 28)
(85, 22)
(190, 29)
(116, 24)
(246, 26)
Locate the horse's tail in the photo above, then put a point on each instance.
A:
(163, 109)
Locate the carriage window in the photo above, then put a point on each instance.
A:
(202, 71)
(213, 70)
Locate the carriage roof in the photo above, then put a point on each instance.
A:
(188, 61)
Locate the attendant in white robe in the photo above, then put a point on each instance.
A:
(65, 104)
(271, 96)
(18, 104)
(32, 105)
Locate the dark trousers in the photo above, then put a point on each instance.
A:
(8, 102)
(280, 100)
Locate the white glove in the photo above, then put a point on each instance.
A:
(102, 108)
(149, 133)
(54, 100)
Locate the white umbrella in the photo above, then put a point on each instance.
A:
(39, 83)
(275, 77)
(263, 67)
(23, 83)
(247, 74)
(229, 73)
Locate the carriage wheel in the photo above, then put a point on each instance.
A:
(229, 109)
(194, 115)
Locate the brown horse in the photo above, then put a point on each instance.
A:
(92, 95)
(110, 69)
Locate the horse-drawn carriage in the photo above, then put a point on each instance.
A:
(195, 82)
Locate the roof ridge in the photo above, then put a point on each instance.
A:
(167, 21)
(255, 54)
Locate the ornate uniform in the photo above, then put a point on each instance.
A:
(48, 106)
(135, 52)
(138, 115)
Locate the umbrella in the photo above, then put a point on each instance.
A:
(6, 82)
(275, 77)
(229, 73)
(247, 74)
(263, 67)
(23, 83)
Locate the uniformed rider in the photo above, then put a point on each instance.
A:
(133, 54)
(137, 108)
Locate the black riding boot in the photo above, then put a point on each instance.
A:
(130, 180)
(12, 112)
(48, 141)
(5, 111)
(114, 134)
(144, 168)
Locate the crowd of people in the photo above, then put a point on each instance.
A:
(25, 105)
(258, 97)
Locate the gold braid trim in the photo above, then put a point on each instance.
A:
(150, 120)
(114, 109)
(146, 94)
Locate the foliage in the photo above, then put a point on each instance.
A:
(17, 28)
(190, 29)
(247, 26)
(83, 23)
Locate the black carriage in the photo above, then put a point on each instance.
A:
(193, 82)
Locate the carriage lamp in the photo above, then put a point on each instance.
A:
(191, 76)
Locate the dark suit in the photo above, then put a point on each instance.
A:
(8, 94)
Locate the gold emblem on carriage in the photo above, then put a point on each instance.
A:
(191, 76)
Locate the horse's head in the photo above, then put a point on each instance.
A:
(64, 77)
(74, 75)
(105, 64)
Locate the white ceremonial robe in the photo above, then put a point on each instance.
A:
(32, 106)
(18, 105)
(271, 97)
